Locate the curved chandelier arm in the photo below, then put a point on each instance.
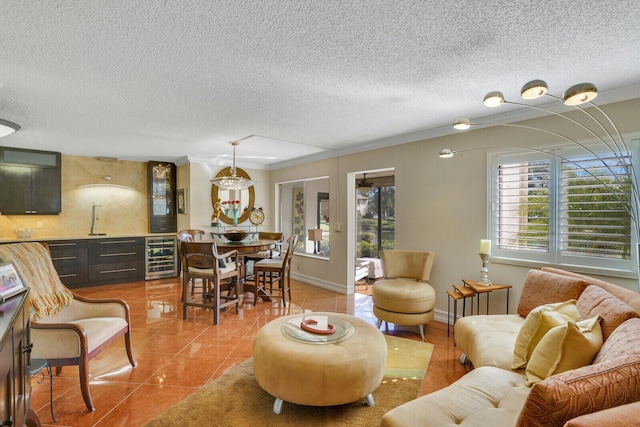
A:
(629, 170)
(619, 145)
(595, 135)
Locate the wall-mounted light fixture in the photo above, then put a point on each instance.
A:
(106, 183)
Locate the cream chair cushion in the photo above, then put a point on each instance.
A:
(404, 296)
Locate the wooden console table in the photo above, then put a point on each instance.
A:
(479, 289)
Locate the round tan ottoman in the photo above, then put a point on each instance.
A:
(403, 302)
(319, 374)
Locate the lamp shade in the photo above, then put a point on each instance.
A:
(462, 124)
(533, 89)
(493, 99)
(7, 127)
(446, 153)
(579, 94)
(315, 234)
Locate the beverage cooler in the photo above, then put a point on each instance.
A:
(161, 258)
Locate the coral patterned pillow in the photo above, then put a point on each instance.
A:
(542, 287)
(596, 301)
(624, 341)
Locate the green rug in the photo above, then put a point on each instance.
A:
(236, 399)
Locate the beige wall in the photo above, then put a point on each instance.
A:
(123, 211)
(195, 178)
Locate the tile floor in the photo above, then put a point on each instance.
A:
(177, 357)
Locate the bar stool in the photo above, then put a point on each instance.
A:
(37, 366)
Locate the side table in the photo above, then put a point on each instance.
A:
(482, 289)
(459, 293)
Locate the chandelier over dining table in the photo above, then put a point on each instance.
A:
(233, 181)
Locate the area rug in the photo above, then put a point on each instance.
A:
(236, 399)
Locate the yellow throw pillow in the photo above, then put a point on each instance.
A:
(540, 320)
(564, 348)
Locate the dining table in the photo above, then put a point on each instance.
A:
(246, 247)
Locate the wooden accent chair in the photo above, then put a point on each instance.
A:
(219, 273)
(66, 329)
(275, 270)
(403, 296)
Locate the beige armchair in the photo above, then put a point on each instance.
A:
(403, 296)
(66, 329)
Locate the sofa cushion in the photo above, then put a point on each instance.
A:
(538, 322)
(620, 416)
(596, 301)
(488, 340)
(486, 396)
(624, 341)
(565, 347)
(541, 287)
(580, 391)
(631, 297)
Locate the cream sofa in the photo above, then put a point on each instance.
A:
(494, 394)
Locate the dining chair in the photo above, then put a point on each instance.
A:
(195, 233)
(276, 270)
(186, 236)
(258, 256)
(219, 273)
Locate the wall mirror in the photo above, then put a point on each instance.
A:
(236, 205)
(304, 211)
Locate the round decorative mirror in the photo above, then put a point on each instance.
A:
(235, 205)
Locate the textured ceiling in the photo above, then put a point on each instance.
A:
(162, 80)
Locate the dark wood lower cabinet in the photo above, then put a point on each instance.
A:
(71, 258)
(92, 262)
(15, 350)
(116, 260)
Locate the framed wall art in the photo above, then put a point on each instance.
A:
(182, 201)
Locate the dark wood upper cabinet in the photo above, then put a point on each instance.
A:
(162, 197)
(30, 182)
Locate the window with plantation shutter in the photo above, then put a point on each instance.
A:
(523, 206)
(562, 208)
(594, 207)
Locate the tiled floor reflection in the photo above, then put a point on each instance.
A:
(176, 357)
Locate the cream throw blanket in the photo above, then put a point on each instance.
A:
(33, 262)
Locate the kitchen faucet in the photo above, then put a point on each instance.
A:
(94, 218)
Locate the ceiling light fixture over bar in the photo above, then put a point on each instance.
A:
(7, 127)
(233, 182)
